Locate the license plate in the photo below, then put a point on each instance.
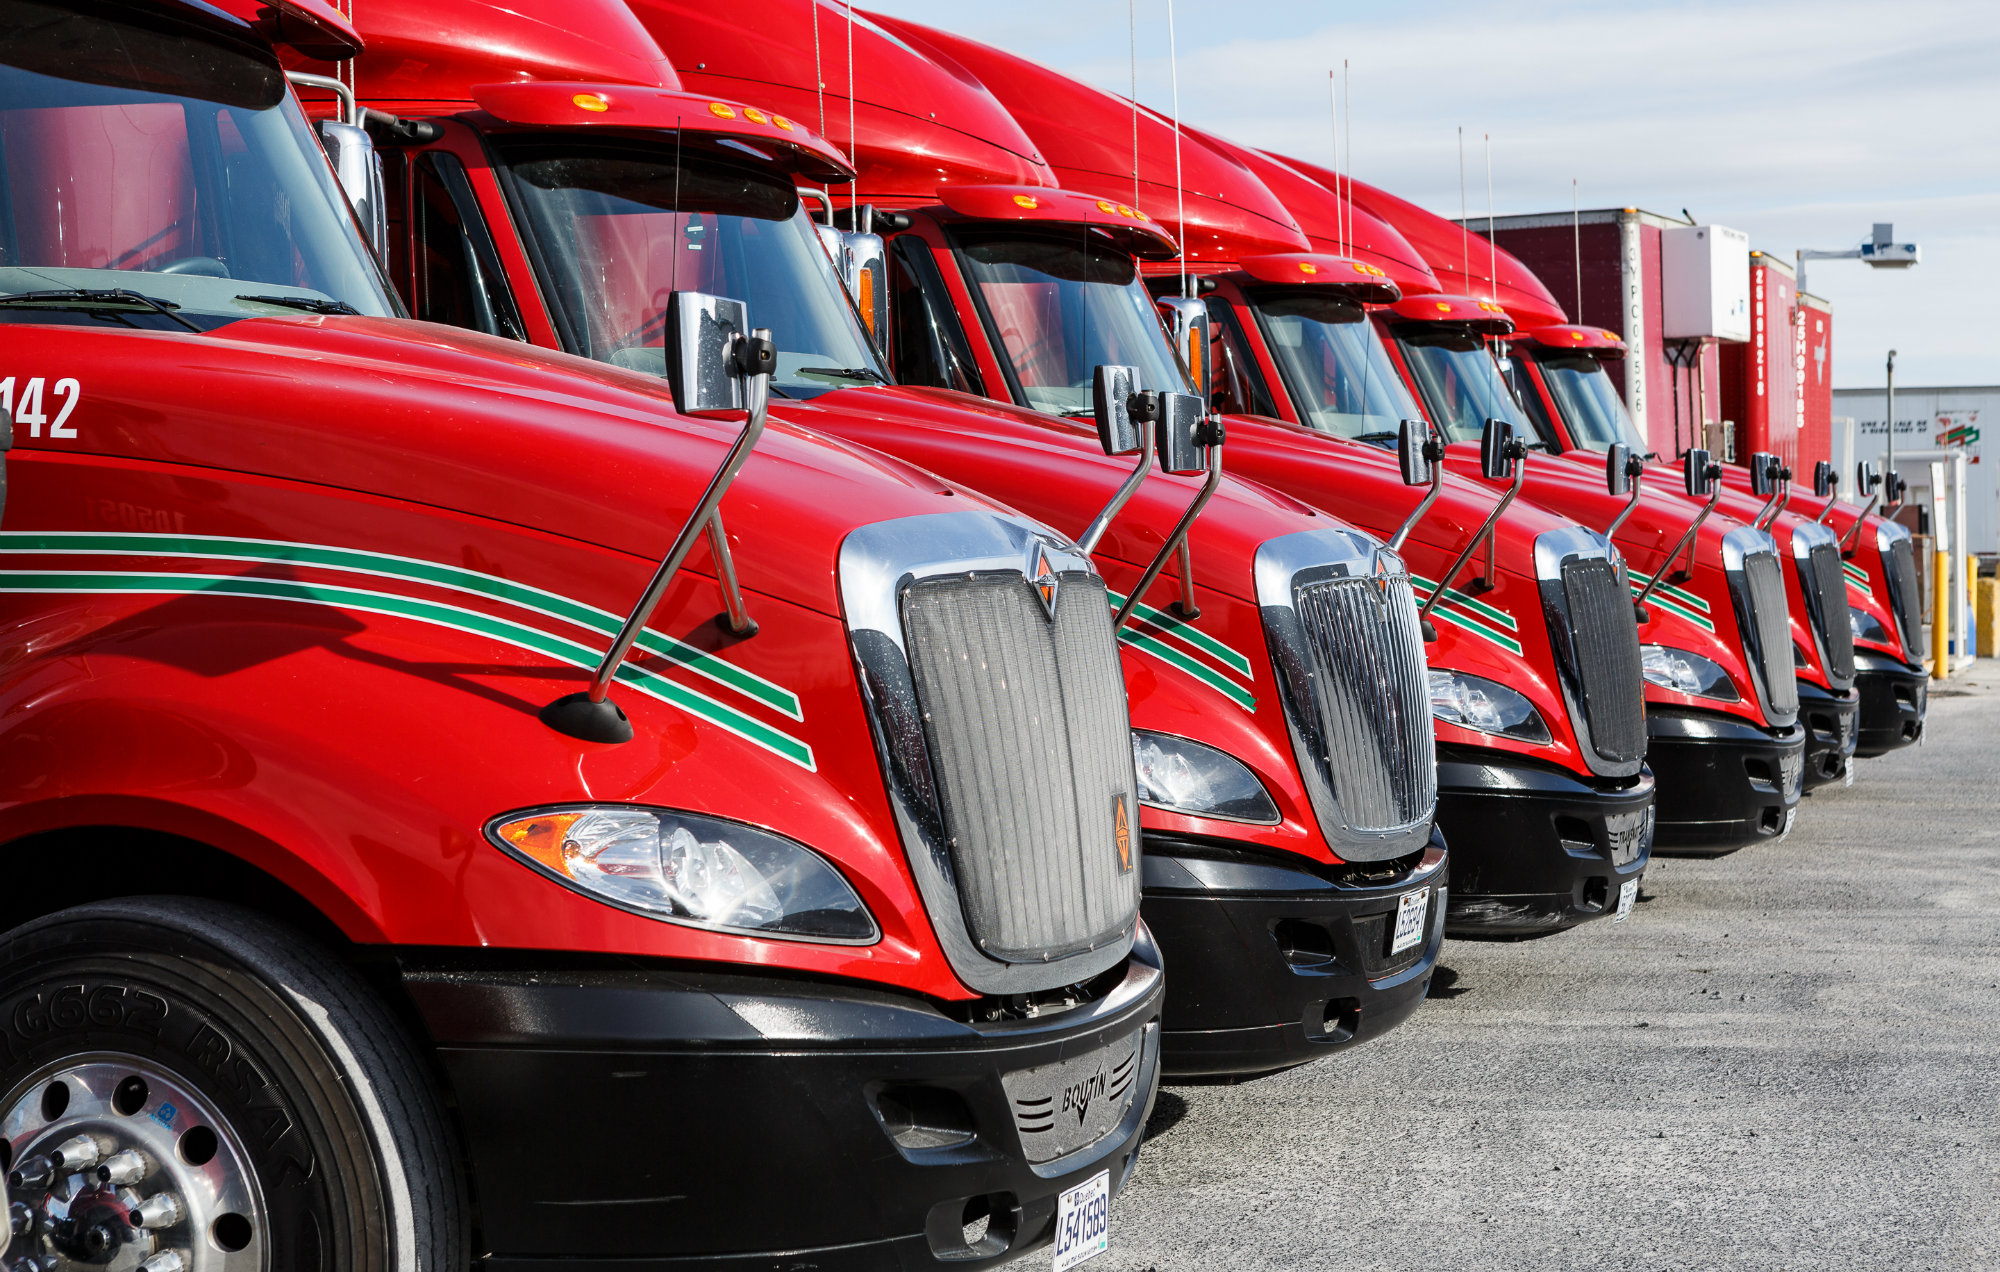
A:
(1411, 911)
(1083, 1221)
(1628, 895)
(1791, 816)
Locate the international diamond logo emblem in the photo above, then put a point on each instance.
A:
(1382, 574)
(1043, 578)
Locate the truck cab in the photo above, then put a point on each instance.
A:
(320, 871)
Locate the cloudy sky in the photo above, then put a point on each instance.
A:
(1801, 123)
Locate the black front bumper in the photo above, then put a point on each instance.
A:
(1832, 723)
(1894, 697)
(653, 1116)
(1724, 782)
(1534, 847)
(1277, 962)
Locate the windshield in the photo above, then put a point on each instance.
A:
(1458, 380)
(141, 154)
(1334, 366)
(1058, 308)
(1589, 404)
(613, 247)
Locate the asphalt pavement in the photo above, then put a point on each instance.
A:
(1787, 1058)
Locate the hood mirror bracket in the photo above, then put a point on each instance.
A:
(1826, 484)
(1700, 476)
(716, 362)
(1866, 479)
(1770, 478)
(1420, 451)
(1501, 454)
(1188, 441)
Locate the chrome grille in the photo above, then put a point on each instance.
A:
(1763, 595)
(1372, 696)
(1899, 567)
(1031, 749)
(1605, 641)
(1830, 613)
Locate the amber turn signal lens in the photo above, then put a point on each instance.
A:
(541, 837)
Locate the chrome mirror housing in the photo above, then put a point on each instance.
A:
(1617, 474)
(1497, 452)
(359, 169)
(1763, 474)
(1183, 433)
(702, 336)
(1697, 475)
(1188, 328)
(1417, 452)
(1867, 479)
(864, 267)
(1825, 479)
(1111, 391)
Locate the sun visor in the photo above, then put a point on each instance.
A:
(1592, 340)
(1134, 229)
(1358, 280)
(748, 129)
(1487, 317)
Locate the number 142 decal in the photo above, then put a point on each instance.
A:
(28, 409)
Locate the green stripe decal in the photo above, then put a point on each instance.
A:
(1200, 671)
(1855, 574)
(1450, 611)
(355, 561)
(1687, 599)
(433, 612)
(1185, 631)
(1465, 601)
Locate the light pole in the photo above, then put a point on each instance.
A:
(1881, 251)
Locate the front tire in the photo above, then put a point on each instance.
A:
(246, 1075)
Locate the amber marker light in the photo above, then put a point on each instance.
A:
(782, 122)
(595, 103)
(755, 116)
(1307, 267)
(1026, 201)
(720, 111)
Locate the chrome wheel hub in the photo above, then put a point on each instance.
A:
(117, 1166)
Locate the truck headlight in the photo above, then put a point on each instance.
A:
(1683, 672)
(1866, 625)
(687, 868)
(1188, 777)
(1473, 702)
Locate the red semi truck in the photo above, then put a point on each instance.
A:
(1534, 669)
(372, 954)
(1318, 915)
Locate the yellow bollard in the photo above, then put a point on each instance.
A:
(1941, 618)
(1988, 592)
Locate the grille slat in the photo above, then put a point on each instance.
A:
(1605, 641)
(1836, 632)
(1032, 748)
(1764, 594)
(1899, 564)
(1373, 699)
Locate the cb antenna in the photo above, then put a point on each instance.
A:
(1347, 113)
(1132, 34)
(1464, 249)
(853, 146)
(819, 80)
(1333, 105)
(1576, 241)
(1492, 245)
(1180, 196)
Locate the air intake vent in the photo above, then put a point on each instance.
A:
(1899, 567)
(1828, 585)
(1372, 698)
(1029, 740)
(1605, 645)
(1767, 634)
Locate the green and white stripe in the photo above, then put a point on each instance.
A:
(1856, 576)
(383, 565)
(1181, 644)
(1678, 600)
(1470, 614)
(546, 604)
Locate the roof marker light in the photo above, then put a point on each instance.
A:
(1444, 307)
(782, 122)
(1104, 205)
(1027, 201)
(720, 111)
(755, 116)
(1307, 267)
(596, 103)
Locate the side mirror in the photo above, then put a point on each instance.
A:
(1415, 451)
(1698, 475)
(1182, 437)
(1617, 469)
(352, 153)
(1188, 328)
(864, 267)
(1825, 480)
(1763, 474)
(707, 347)
(1866, 478)
(1497, 453)
(1111, 393)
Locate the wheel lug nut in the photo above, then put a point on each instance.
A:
(161, 1210)
(34, 1172)
(80, 1153)
(20, 1219)
(128, 1167)
(165, 1261)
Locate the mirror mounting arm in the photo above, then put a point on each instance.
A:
(1780, 489)
(1636, 471)
(1433, 452)
(1686, 541)
(734, 612)
(1093, 534)
(1174, 541)
(1851, 540)
(1517, 451)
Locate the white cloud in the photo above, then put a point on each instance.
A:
(1802, 123)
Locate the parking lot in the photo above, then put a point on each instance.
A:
(1788, 1058)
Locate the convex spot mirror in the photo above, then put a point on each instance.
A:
(1417, 452)
(864, 267)
(1497, 451)
(1698, 475)
(359, 169)
(1187, 324)
(1184, 433)
(1112, 388)
(710, 352)
(1824, 479)
(1763, 474)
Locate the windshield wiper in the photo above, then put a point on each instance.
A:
(311, 304)
(1077, 413)
(1377, 436)
(100, 299)
(867, 374)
